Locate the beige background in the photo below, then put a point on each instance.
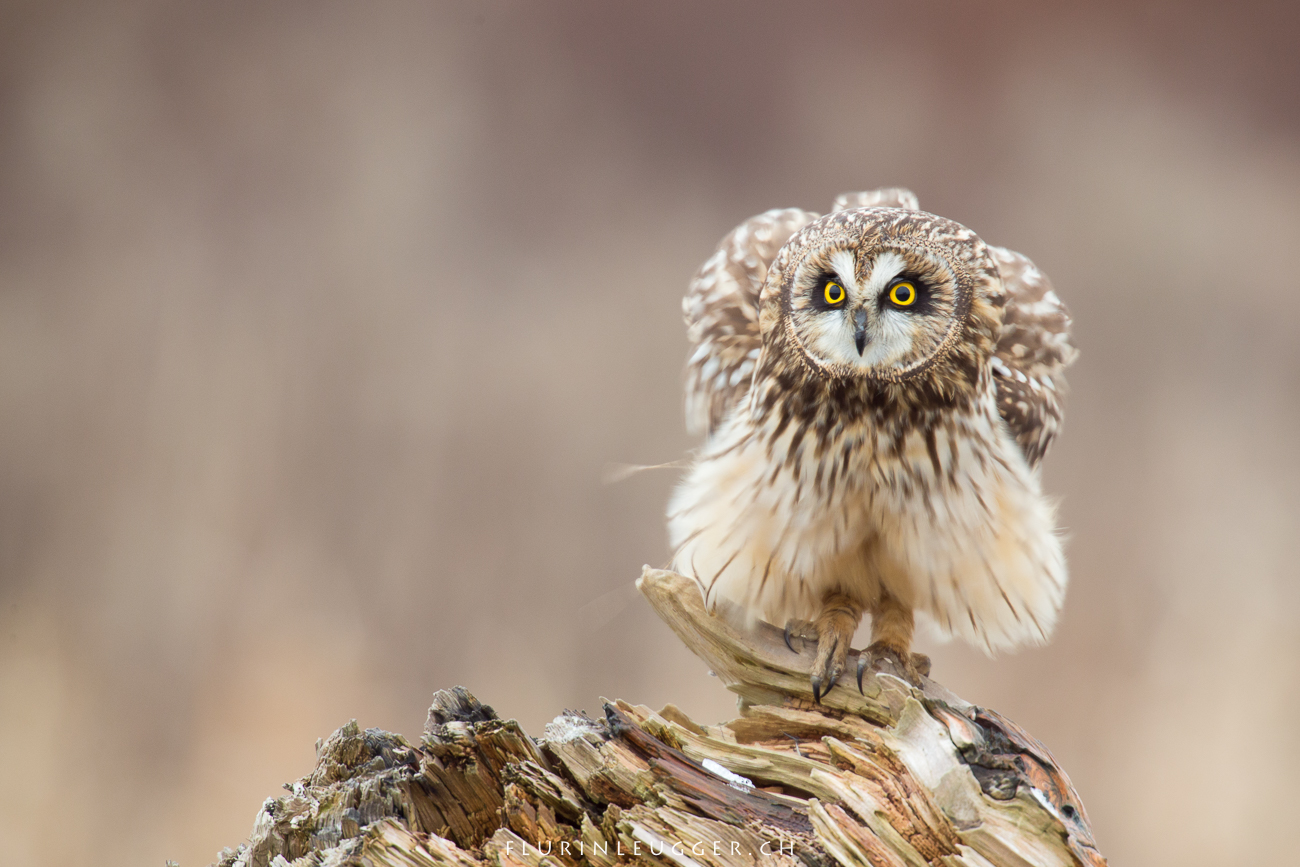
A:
(319, 323)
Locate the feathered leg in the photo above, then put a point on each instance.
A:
(891, 642)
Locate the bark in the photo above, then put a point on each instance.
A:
(888, 777)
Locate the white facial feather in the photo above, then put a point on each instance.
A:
(845, 267)
(891, 334)
(831, 335)
(884, 268)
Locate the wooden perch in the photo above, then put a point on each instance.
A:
(895, 777)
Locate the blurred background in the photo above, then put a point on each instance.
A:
(321, 322)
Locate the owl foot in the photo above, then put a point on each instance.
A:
(832, 653)
(881, 657)
(835, 627)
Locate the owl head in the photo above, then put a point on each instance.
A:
(883, 294)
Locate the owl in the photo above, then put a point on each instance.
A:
(877, 387)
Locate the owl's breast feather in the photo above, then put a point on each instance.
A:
(949, 519)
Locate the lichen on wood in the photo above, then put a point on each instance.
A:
(894, 775)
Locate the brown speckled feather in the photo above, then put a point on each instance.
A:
(1032, 353)
(721, 310)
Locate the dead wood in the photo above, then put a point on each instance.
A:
(892, 776)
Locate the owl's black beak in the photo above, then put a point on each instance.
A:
(860, 323)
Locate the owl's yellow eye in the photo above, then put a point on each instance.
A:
(834, 293)
(903, 294)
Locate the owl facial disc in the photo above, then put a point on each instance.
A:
(866, 304)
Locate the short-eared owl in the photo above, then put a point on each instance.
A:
(878, 387)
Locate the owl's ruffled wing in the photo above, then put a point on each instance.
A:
(1031, 356)
(721, 310)
(721, 305)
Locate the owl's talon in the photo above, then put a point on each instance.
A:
(800, 629)
(882, 657)
(834, 629)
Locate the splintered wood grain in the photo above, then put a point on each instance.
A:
(851, 843)
(755, 663)
(901, 800)
(682, 837)
(898, 777)
(389, 844)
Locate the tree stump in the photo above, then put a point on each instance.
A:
(894, 776)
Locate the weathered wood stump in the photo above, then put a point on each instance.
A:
(894, 776)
